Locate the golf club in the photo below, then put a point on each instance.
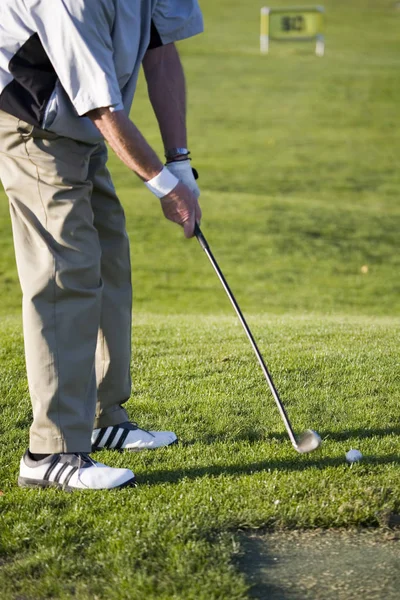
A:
(309, 440)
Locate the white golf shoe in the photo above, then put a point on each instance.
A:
(71, 472)
(128, 436)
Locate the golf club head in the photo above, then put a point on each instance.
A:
(308, 442)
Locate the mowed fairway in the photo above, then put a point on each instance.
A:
(298, 159)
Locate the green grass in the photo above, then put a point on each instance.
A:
(173, 537)
(298, 162)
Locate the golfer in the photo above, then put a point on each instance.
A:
(68, 72)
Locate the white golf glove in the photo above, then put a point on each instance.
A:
(182, 170)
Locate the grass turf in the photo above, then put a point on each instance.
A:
(297, 157)
(174, 535)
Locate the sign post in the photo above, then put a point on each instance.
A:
(295, 24)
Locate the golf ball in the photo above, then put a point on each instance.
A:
(353, 456)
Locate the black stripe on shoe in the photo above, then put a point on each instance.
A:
(99, 437)
(61, 471)
(111, 437)
(51, 468)
(68, 477)
(121, 440)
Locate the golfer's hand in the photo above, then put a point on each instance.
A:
(181, 206)
(182, 169)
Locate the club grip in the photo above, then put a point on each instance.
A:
(200, 237)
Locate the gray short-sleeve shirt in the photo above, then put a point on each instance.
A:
(60, 59)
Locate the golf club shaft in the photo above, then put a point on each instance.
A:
(203, 243)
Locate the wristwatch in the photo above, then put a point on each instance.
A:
(174, 153)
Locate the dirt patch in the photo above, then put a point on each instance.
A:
(322, 565)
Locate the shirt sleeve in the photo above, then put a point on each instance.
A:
(76, 36)
(177, 20)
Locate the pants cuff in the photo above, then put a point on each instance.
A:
(113, 417)
(56, 445)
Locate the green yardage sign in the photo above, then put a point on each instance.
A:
(292, 24)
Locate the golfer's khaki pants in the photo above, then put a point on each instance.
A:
(72, 255)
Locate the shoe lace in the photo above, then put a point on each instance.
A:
(84, 461)
(136, 426)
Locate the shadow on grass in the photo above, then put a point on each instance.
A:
(336, 436)
(255, 558)
(347, 434)
(174, 476)
(254, 562)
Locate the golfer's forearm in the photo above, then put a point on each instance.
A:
(167, 93)
(127, 142)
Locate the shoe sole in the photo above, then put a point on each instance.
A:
(98, 448)
(25, 482)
